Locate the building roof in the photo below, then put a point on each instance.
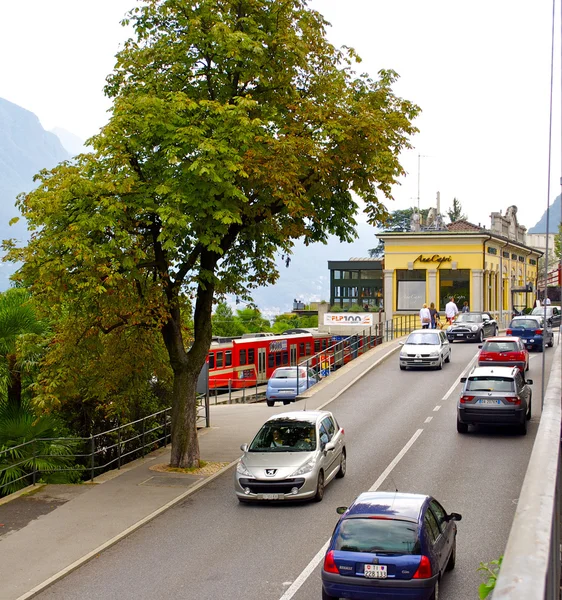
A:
(463, 225)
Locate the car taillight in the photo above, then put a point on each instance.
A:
(508, 331)
(330, 564)
(513, 399)
(424, 570)
(342, 431)
(465, 398)
(538, 331)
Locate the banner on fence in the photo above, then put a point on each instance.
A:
(363, 319)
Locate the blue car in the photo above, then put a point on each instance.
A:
(390, 545)
(532, 331)
(287, 383)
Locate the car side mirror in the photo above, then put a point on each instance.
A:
(480, 346)
(529, 382)
(329, 446)
(454, 517)
(400, 343)
(341, 509)
(244, 447)
(463, 379)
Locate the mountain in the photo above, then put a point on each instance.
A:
(71, 143)
(540, 227)
(25, 149)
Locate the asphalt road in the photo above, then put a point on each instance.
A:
(212, 548)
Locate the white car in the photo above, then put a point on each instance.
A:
(425, 348)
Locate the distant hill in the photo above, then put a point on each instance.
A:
(71, 143)
(540, 227)
(25, 149)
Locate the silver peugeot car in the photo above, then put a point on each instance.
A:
(293, 457)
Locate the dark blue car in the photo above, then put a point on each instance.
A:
(532, 331)
(390, 545)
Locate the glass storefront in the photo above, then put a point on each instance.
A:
(454, 283)
(410, 288)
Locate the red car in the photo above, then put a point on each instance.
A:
(504, 352)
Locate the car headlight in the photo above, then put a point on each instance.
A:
(474, 328)
(433, 354)
(403, 354)
(306, 468)
(241, 469)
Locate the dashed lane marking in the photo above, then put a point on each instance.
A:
(428, 420)
(436, 408)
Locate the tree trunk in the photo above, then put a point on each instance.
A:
(185, 444)
(14, 381)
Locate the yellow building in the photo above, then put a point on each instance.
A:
(464, 261)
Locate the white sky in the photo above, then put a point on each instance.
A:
(480, 70)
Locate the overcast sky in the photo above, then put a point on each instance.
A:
(479, 70)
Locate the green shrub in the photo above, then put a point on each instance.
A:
(491, 570)
(336, 308)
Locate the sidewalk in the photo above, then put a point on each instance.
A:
(99, 515)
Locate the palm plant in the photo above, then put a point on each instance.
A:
(29, 444)
(18, 323)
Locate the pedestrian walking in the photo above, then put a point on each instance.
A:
(434, 315)
(451, 310)
(465, 307)
(547, 301)
(425, 317)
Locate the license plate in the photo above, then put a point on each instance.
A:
(375, 571)
(459, 334)
(418, 360)
(488, 401)
(268, 496)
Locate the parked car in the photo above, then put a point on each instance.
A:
(390, 545)
(293, 457)
(494, 396)
(553, 314)
(533, 331)
(287, 383)
(472, 326)
(504, 352)
(425, 348)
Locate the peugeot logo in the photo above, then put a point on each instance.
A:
(270, 472)
(375, 561)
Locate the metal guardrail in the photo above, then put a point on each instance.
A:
(531, 564)
(96, 453)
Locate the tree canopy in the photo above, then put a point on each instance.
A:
(236, 128)
(455, 212)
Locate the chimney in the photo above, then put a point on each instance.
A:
(438, 203)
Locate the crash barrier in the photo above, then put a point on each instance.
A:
(224, 392)
(531, 564)
(86, 457)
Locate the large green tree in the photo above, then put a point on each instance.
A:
(236, 128)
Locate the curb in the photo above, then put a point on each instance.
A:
(30, 489)
(84, 559)
(78, 563)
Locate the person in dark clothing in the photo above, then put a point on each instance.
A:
(434, 315)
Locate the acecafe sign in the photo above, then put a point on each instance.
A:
(364, 319)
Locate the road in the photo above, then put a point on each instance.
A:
(211, 547)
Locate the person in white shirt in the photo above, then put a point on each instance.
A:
(547, 301)
(425, 317)
(451, 310)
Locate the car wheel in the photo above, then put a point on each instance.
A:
(528, 415)
(480, 337)
(343, 465)
(242, 500)
(326, 596)
(270, 402)
(527, 367)
(402, 368)
(551, 343)
(522, 429)
(440, 365)
(319, 488)
(286, 401)
(461, 427)
(453, 558)
(448, 359)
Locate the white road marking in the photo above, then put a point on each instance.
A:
(436, 408)
(428, 420)
(458, 379)
(319, 556)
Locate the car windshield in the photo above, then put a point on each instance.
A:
(383, 536)
(285, 436)
(539, 310)
(288, 373)
(431, 339)
(500, 347)
(468, 319)
(524, 324)
(489, 383)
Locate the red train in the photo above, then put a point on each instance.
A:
(245, 362)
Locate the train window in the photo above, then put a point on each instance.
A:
(324, 344)
(316, 345)
(219, 356)
(227, 358)
(242, 357)
(251, 356)
(211, 360)
(301, 348)
(308, 349)
(271, 361)
(285, 357)
(278, 359)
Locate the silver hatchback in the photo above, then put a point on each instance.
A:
(293, 457)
